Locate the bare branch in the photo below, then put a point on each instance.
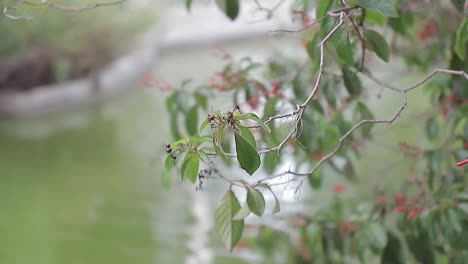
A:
(47, 4)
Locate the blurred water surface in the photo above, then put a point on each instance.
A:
(84, 186)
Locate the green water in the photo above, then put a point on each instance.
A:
(88, 193)
(84, 187)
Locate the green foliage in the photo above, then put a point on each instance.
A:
(229, 230)
(64, 33)
(255, 201)
(249, 160)
(422, 217)
(383, 7)
(462, 38)
(378, 44)
(229, 7)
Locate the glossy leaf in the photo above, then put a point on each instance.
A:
(351, 82)
(255, 201)
(191, 121)
(378, 44)
(229, 7)
(383, 7)
(230, 231)
(190, 167)
(247, 155)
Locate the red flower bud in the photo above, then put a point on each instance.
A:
(462, 163)
(400, 208)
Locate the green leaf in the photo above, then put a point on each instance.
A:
(462, 38)
(403, 23)
(454, 219)
(188, 4)
(363, 113)
(432, 128)
(393, 253)
(268, 111)
(351, 82)
(168, 163)
(219, 133)
(247, 135)
(315, 179)
(203, 125)
(313, 232)
(230, 231)
(191, 121)
(330, 139)
(255, 201)
(248, 158)
(221, 154)
(378, 44)
(421, 244)
(345, 53)
(255, 118)
(203, 156)
(201, 100)
(271, 160)
(323, 7)
(276, 208)
(170, 102)
(243, 212)
(374, 18)
(383, 7)
(190, 167)
(376, 235)
(174, 116)
(459, 5)
(464, 208)
(330, 93)
(312, 50)
(229, 7)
